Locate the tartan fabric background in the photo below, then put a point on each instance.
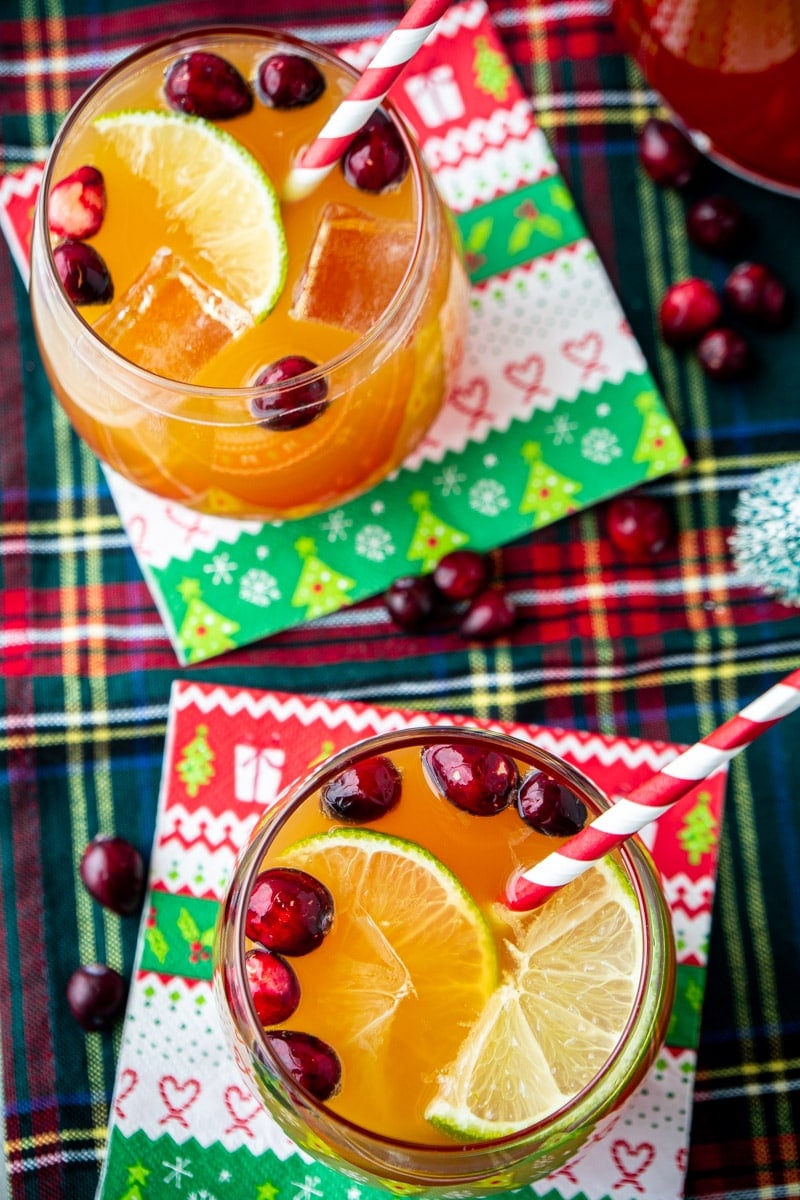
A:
(662, 651)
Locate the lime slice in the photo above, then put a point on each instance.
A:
(557, 1015)
(209, 183)
(406, 970)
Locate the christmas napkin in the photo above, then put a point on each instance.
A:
(554, 408)
(183, 1122)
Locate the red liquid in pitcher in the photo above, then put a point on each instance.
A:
(729, 69)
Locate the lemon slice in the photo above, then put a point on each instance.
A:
(557, 1015)
(209, 183)
(407, 968)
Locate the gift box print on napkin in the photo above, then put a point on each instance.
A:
(553, 408)
(183, 1122)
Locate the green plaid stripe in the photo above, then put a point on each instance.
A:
(80, 757)
(658, 651)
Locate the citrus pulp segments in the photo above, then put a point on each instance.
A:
(412, 960)
(208, 182)
(557, 1015)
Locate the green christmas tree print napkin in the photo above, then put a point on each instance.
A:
(553, 409)
(184, 1124)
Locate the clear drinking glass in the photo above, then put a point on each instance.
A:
(200, 445)
(730, 73)
(443, 1170)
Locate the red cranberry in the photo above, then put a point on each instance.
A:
(638, 525)
(311, 1063)
(294, 406)
(411, 601)
(716, 223)
(205, 85)
(274, 986)
(376, 158)
(461, 574)
(724, 354)
(96, 996)
(77, 205)
(490, 615)
(687, 310)
(84, 274)
(549, 807)
(289, 81)
(363, 792)
(755, 291)
(480, 781)
(289, 911)
(113, 873)
(668, 156)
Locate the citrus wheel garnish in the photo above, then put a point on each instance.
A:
(206, 181)
(406, 969)
(557, 1015)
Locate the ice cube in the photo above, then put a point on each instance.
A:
(355, 266)
(169, 321)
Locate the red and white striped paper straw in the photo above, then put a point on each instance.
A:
(355, 110)
(528, 889)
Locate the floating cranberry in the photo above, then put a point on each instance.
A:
(461, 574)
(717, 224)
(472, 777)
(688, 309)
(549, 807)
(77, 204)
(411, 601)
(289, 81)
(640, 526)
(376, 159)
(113, 873)
(274, 986)
(668, 156)
(289, 911)
(724, 354)
(491, 614)
(756, 292)
(96, 996)
(363, 792)
(312, 1063)
(294, 406)
(205, 85)
(84, 274)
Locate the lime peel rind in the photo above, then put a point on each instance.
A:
(455, 894)
(374, 841)
(452, 1110)
(223, 197)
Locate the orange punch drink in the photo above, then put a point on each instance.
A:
(393, 1015)
(212, 340)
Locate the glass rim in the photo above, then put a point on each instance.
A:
(640, 872)
(424, 199)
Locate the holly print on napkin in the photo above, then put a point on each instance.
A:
(183, 1121)
(553, 408)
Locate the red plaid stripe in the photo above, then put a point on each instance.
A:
(660, 650)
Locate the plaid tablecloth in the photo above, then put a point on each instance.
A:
(662, 651)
